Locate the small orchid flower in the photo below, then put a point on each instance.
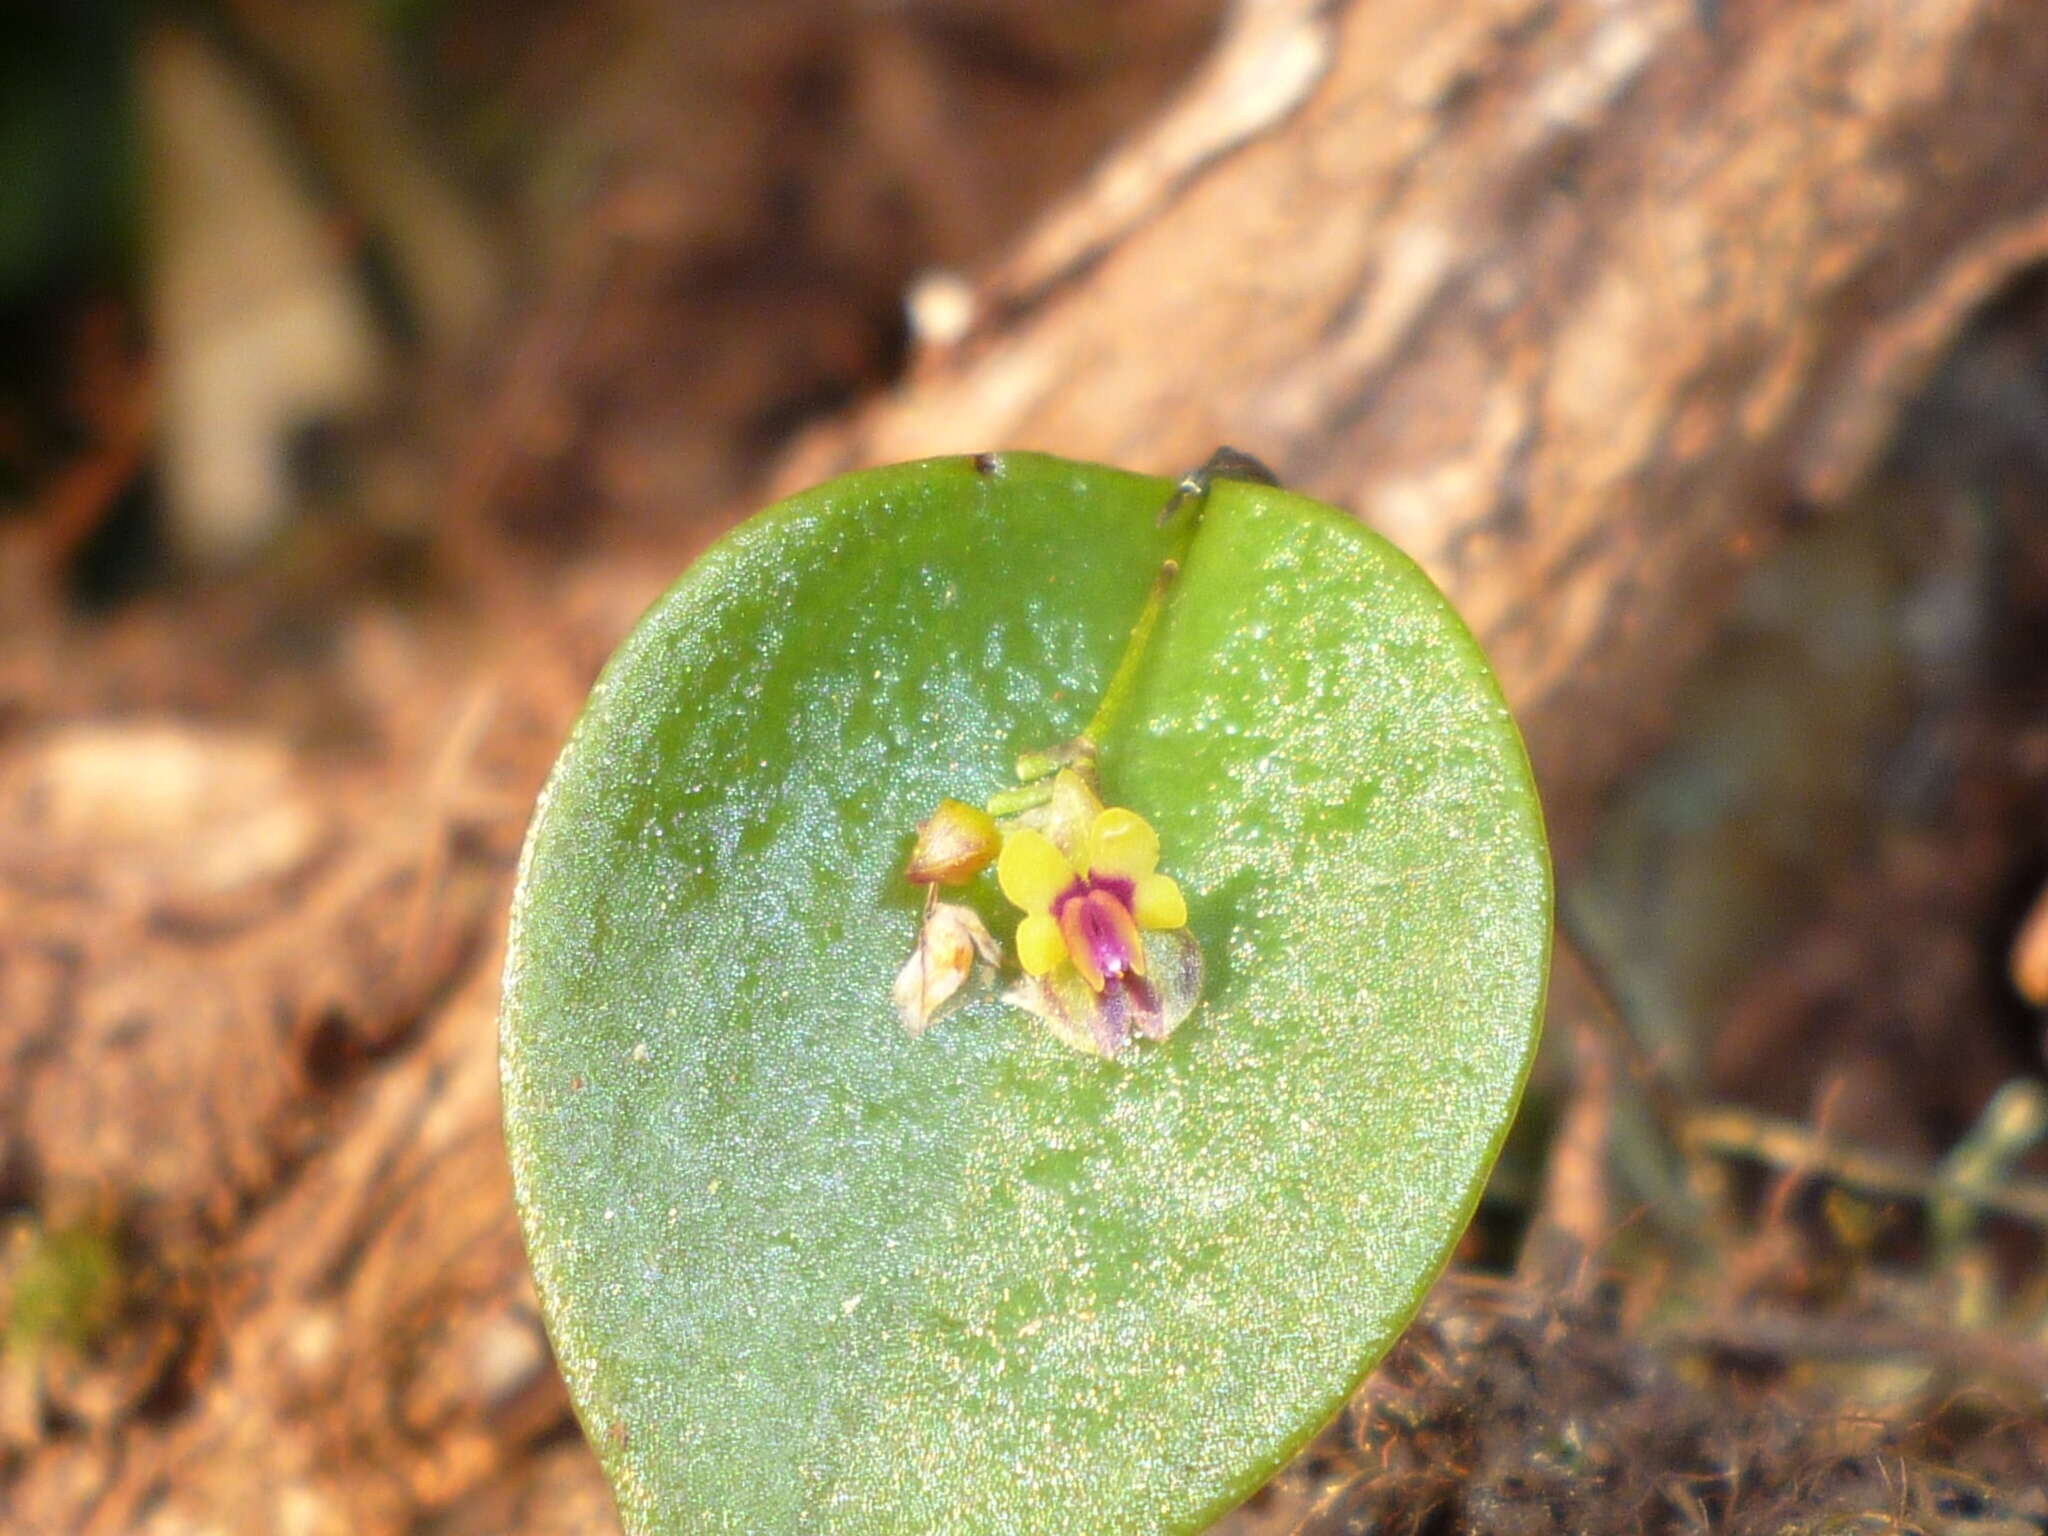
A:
(1103, 941)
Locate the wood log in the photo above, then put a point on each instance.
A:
(1578, 300)
(1577, 303)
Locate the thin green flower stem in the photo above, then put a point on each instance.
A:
(1025, 797)
(1192, 493)
(1116, 698)
(1037, 768)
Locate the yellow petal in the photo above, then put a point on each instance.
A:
(1039, 944)
(1122, 844)
(1158, 903)
(1068, 816)
(1031, 870)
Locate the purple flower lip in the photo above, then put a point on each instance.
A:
(1123, 890)
(1101, 932)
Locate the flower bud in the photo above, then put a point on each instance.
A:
(955, 845)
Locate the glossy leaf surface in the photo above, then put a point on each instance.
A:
(806, 1273)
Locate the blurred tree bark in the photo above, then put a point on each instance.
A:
(1578, 300)
(1575, 302)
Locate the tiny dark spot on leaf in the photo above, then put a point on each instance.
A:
(577, 1084)
(988, 464)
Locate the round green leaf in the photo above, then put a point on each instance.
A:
(806, 1273)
